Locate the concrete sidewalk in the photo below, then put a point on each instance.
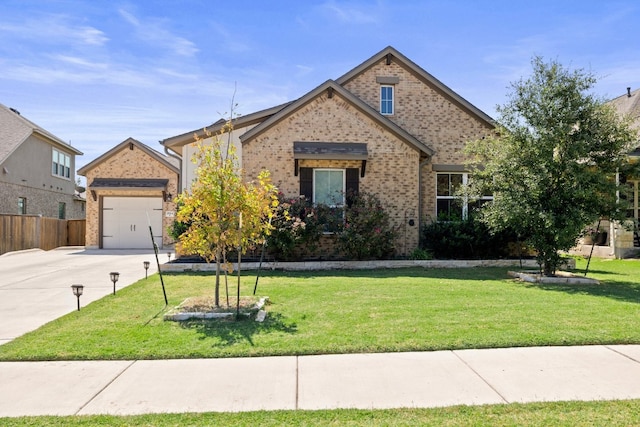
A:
(389, 380)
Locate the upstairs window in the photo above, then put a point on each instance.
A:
(60, 164)
(386, 100)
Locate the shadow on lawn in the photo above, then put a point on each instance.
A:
(230, 332)
(620, 291)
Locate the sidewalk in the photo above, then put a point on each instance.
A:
(388, 380)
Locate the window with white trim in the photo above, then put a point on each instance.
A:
(60, 164)
(329, 187)
(386, 100)
(450, 206)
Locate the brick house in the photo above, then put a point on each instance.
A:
(130, 188)
(37, 170)
(624, 242)
(386, 127)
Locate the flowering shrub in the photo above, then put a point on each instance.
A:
(296, 229)
(361, 230)
(366, 232)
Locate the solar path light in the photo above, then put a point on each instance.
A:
(77, 291)
(146, 268)
(114, 278)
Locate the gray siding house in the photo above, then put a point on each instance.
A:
(37, 170)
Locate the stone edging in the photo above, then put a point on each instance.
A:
(177, 316)
(560, 278)
(358, 265)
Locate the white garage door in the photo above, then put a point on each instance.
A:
(125, 222)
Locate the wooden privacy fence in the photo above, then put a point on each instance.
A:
(20, 232)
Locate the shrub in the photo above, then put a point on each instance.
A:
(366, 232)
(466, 239)
(296, 229)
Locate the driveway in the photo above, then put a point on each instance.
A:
(35, 285)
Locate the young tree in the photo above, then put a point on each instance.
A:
(552, 162)
(221, 211)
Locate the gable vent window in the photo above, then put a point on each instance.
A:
(386, 100)
(61, 164)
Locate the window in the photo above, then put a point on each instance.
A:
(328, 188)
(449, 205)
(22, 205)
(61, 164)
(62, 208)
(386, 100)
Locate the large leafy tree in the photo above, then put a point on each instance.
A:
(552, 162)
(221, 212)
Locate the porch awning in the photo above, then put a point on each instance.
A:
(330, 151)
(128, 184)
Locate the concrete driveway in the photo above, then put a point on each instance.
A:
(35, 285)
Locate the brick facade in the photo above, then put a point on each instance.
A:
(391, 169)
(428, 130)
(130, 161)
(427, 113)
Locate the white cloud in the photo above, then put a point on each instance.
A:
(52, 29)
(351, 13)
(154, 31)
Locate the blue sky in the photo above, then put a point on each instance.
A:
(96, 72)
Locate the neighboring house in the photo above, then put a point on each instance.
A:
(386, 127)
(624, 242)
(37, 170)
(130, 188)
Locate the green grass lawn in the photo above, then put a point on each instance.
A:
(350, 311)
(356, 311)
(610, 413)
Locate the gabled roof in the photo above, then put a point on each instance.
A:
(331, 86)
(125, 145)
(15, 129)
(243, 121)
(391, 54)
(628, 104)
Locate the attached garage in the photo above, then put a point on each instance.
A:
(126, 221)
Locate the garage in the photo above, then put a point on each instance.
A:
(128, 188)
(126, 220)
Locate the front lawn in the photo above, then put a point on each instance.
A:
(350, 311)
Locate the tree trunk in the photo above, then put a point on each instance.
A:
(217, 290)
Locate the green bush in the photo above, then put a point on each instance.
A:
(466, 239)
(361, 229)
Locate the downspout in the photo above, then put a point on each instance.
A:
(420, 198)
(179, 158)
